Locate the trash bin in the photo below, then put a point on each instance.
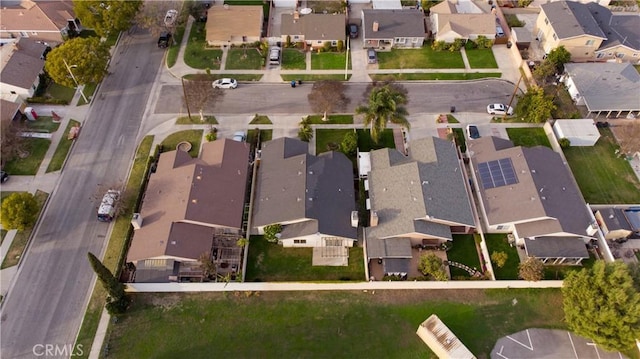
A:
(293, 84)
(299, 82)
(453, 109)
(509, 44)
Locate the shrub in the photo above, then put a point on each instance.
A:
(271, 231)
(55, 101)
(340, 46)
(482, 42)
(349, 145)
(439, 45)
(564, 142)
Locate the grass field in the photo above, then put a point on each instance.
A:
(463, 251)
(172, 52)
(481, 59)
(329, 61)
(196, 55)
(60, 155)
(195, 120)
(460, 140)
(28, 166)
(293, 59)
(60, 92)
(88, 90)
(422, 58)
(261, 120)
(42, 124)
(331, 120)
(323, 324)
(192, 136)
(325, 137)
(270, 262)
(212, 77)
(499, 243)
(305, 77)
(244, 59)
(20, 241)
(435, 76)
(265, 135)
(601, 175)
(528, 137)
(365, 143)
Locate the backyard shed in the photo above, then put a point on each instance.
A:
(581, 132)
(441, 340)
(522, 37)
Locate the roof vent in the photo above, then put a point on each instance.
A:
(543, 197)
(173, 242)
(195, 200)
(533, 171)
(199, 177)
(310, 172)
(376, 26)
(425, 182)
(310, 198)
(611, 216)
(298, 199)
(533, 198)
(299, 173)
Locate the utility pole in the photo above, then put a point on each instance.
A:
(74, 79)
(186, 100)
(513, 95)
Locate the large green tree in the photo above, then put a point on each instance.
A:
(106, 16)
(535, 106)
(431, 265)
(19, 211)
(85, 58)
(386, 104)
(558, 57)
(117, 300)
(603, 303)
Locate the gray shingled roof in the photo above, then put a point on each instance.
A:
(556, 247)
(23, 63)
(396, 265)
(545, 188)
(393, 23)
(293, 186)
(388, 248)
(571, 19)
(416, 194)
(606, 86)
(620, 29)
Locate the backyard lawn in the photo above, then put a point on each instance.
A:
(423, 58)
(463, 251)
(244, 59)
(270, 262)
(323, 324)
(329, 60)
(192, 136)
(28, 166)
(528, 137)
(327, 137)
(499, 243)
(293, 59)
(602, 176)
(481, 59)
(196, 55)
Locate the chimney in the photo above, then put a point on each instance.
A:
(376, 25)
(136, 221)
(373, 222)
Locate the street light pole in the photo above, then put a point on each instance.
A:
(74, 80)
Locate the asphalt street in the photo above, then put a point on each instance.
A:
(47, 302)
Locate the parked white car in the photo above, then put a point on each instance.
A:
(239, 136)
(225, 83)
(499, 109)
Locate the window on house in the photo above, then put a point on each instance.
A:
(319, 41)
(13, 92)
(599, 55)
(590, 42)
(499, 228)
(546, 21)
(24, 34)
(401, 40)
(299, 241)
(635, 55)
(296, 37)
(334, 43)
(34, 33)
(619, 55)
(415, 40)
(610, 54)
(555, 37)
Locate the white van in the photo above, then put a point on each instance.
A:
(274, 56)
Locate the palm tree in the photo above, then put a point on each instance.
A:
(386, 104)
(305, 132)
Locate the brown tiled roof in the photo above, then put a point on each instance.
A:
(205, 192)
(40, 16)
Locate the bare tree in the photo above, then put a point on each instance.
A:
(11, 143)
(151, 16)
(628, 135)
(328, 96)
(207, 265)
(199, 93)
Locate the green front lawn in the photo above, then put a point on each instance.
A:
(326, 138)
(213, 77)
(305, 77)
(500, 243)
(42, 124)
(20, 241)
(481, 59)
(88, 91)
(463, 251)
(62, 150)
(244, 59)
(293, 59)
(265, 135)
(195, 120)
(172, 52)
(602, 176)
(60, 92)
(460, 140)
(345, 324)
(192, 136)
(331, 120)
(261, 120)
(528, 137)
(270, 262)
(329, 60)
(28, 166)
(436, 76)
(422, 58)
(196, 54)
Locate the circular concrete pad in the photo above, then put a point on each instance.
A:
(549, 344)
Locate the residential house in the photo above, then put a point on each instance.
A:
(10, 111)
(234, 25)
(604, 87)
(417, 200)
(386, 29)
(531, 193)
(312, 197)
(313, 29)
(21, 64)
(461, 20)
(590, 32)
(46, 21)
(618, 223)
(192, 206)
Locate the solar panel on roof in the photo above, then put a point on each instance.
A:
(497, 173)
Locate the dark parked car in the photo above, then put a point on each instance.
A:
(353, 31)
(472, 132)
(164, 40)
(601, 124)
(4, 176)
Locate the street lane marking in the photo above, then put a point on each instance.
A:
(573, 346)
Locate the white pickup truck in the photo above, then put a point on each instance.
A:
(107, 209)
